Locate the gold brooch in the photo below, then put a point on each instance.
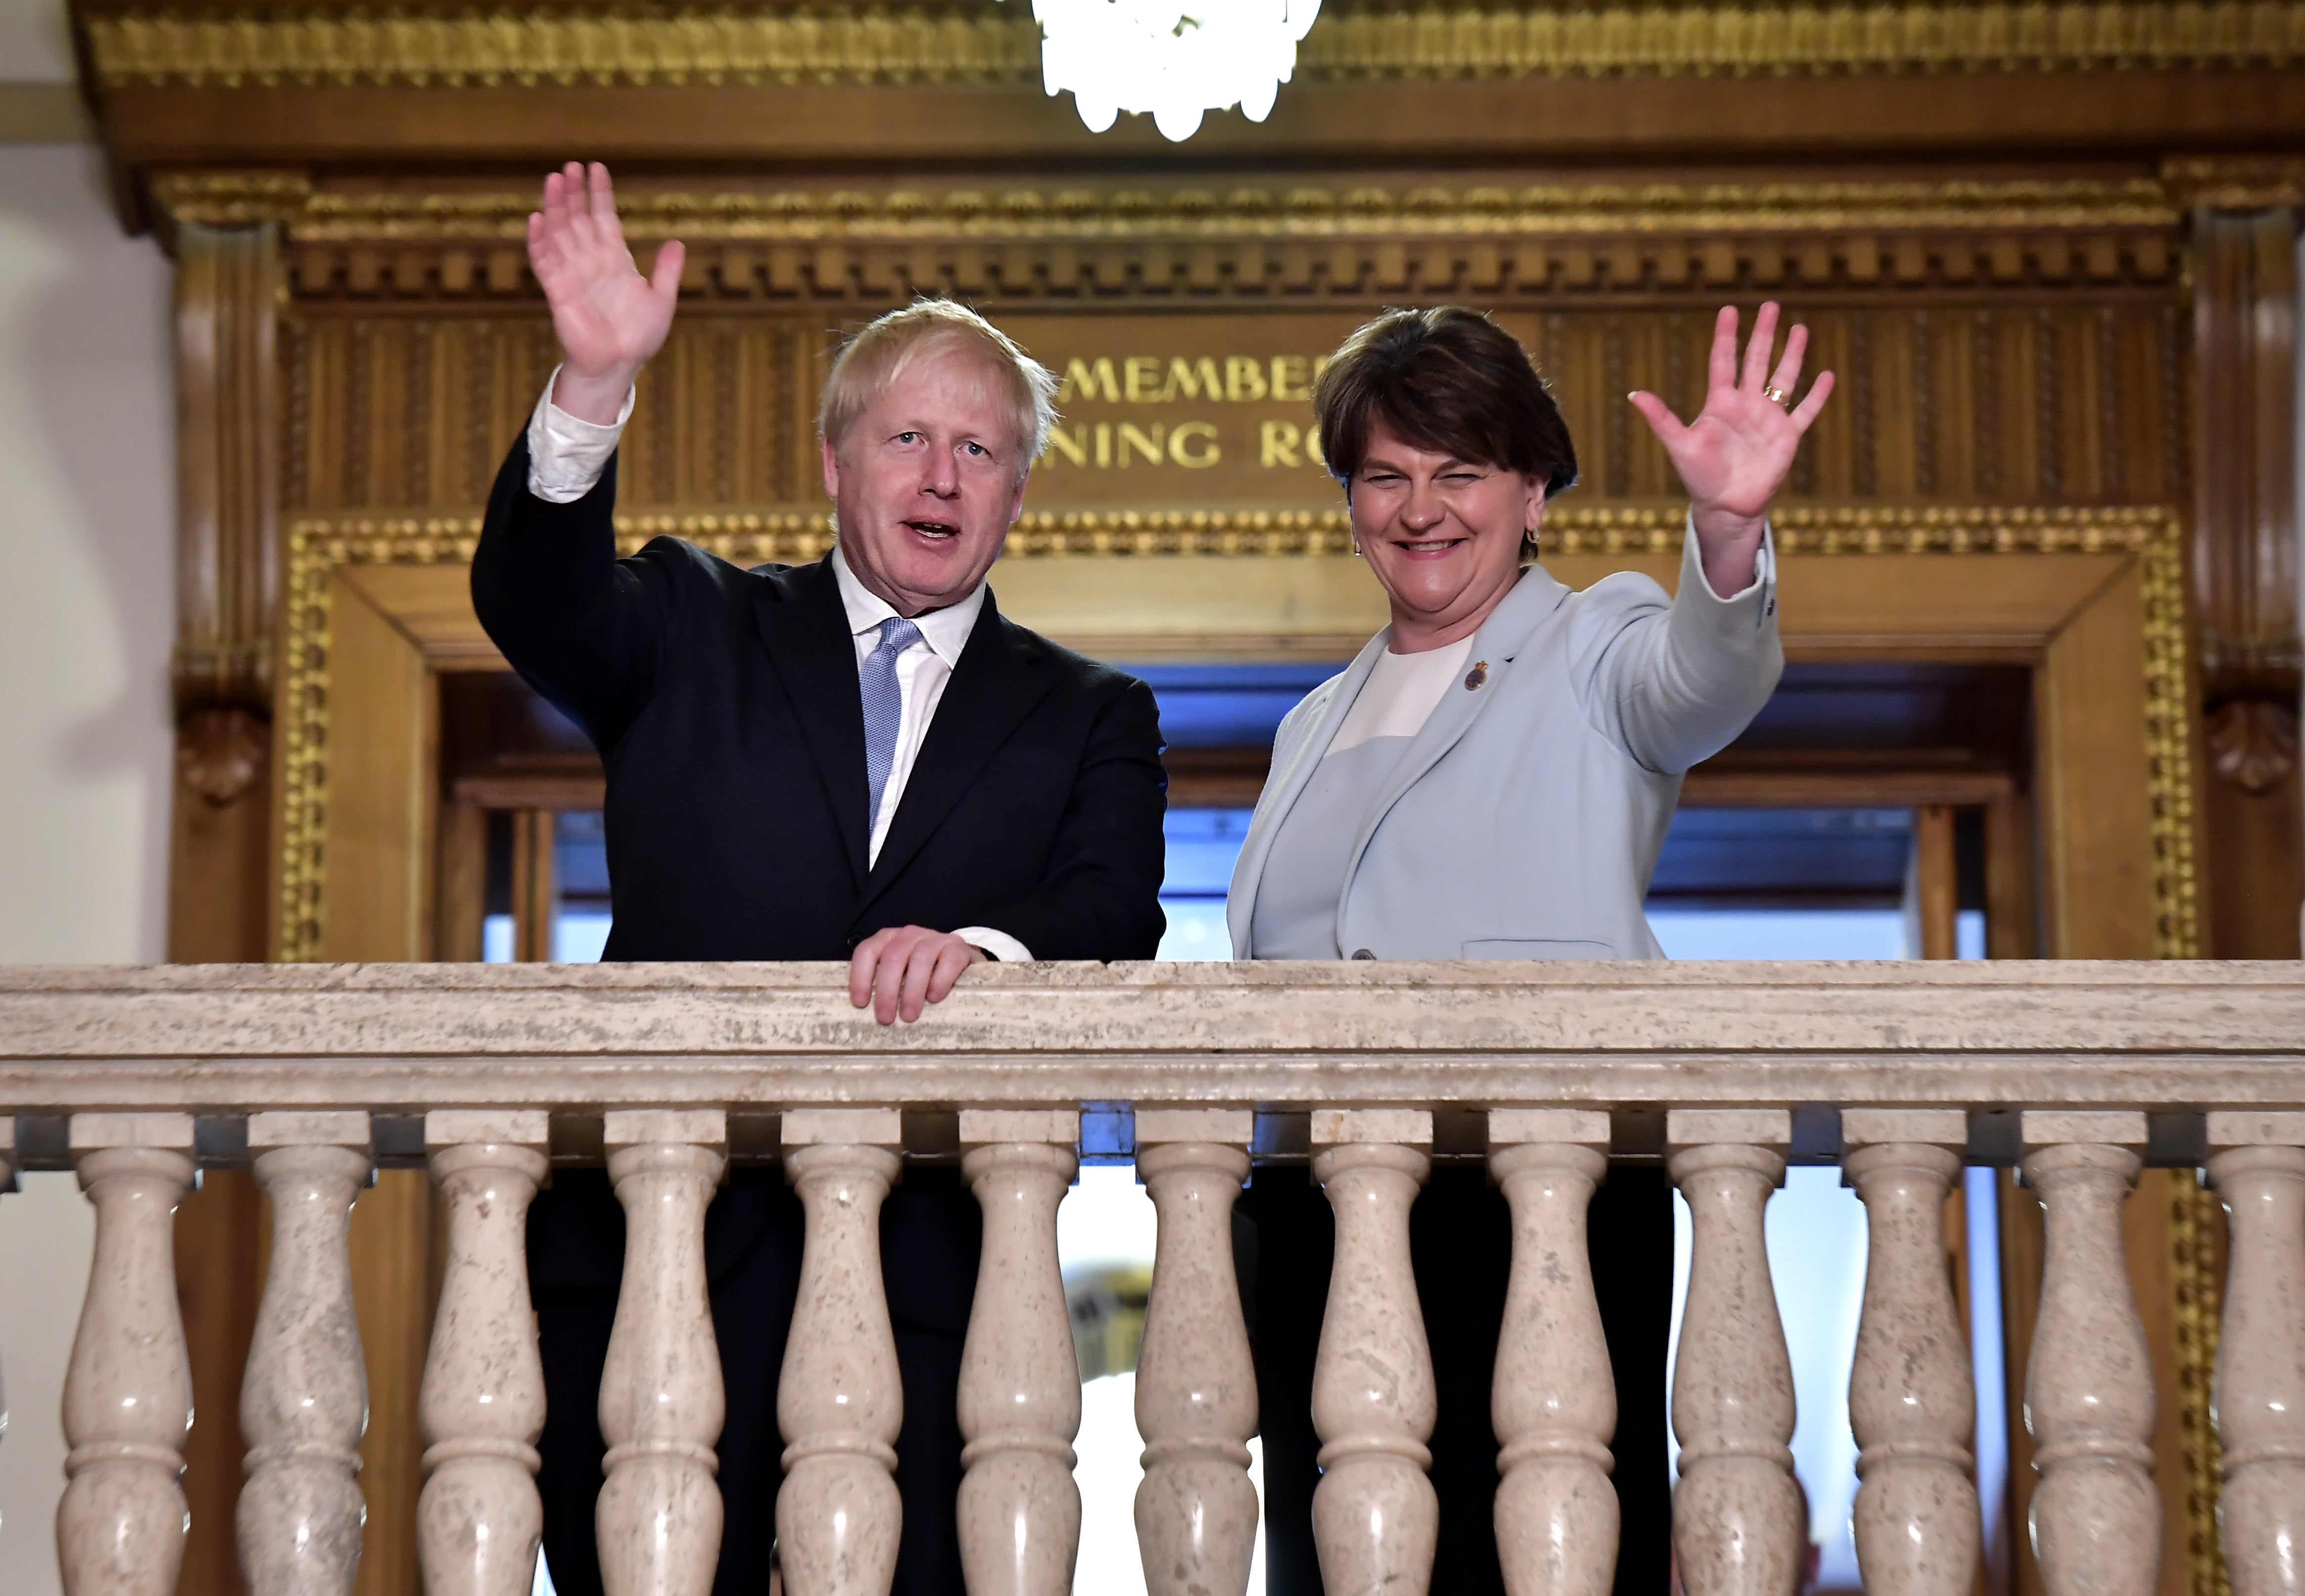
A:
(1476, 676)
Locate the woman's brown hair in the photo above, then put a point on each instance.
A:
(1446, 380)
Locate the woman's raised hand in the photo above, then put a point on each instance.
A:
(609, 317)
(1734, 456)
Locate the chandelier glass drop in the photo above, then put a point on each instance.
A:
(1177, 59)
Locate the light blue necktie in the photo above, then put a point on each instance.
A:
(884, 708)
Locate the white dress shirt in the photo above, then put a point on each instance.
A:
(565, 458)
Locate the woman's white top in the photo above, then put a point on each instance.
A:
(1295, 913)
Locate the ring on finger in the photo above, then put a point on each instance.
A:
(1777, 396)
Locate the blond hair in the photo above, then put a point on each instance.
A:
(869, 362)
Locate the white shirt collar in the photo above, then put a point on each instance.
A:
(945, 631)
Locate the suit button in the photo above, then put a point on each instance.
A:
(1363, 953)
(855, 943)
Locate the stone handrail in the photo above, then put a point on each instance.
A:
(2081, 1073)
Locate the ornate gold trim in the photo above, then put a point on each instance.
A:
(2169, 701)
(1268, 244)
(316, 546)
(1173, 211)
(979, 43)
(299, 722)
(1747, 39)
(2195, 1285)
(2237, 181)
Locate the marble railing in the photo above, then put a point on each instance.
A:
(2079, 1072)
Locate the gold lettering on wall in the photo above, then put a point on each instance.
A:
(1231, 379)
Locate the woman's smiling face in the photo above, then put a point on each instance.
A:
(1443, 535)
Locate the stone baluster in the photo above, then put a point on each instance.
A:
(1195, 1385)
(2089, 1380)
(2257, 1161)
(303, 1403)
(480, 1519)
(840, 1402)
(1737, 1522)
(1911, 1402)
(128, 1388)
(1554, 1403)
(1019, 1404)
(1376, 1518)
(661, 1402)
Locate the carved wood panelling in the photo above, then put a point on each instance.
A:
(2008, 343)
(1964, 400)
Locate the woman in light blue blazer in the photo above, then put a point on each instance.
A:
(1492, 779)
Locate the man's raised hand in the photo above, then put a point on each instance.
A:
(609, 317)
(1734, 456)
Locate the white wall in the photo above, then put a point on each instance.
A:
(87, 496)
(35, 42)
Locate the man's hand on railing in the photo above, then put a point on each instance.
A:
(902, 970)
(609, 319)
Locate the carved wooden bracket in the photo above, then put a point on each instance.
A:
(2245, 525)
(227, 552)
(2253, 742)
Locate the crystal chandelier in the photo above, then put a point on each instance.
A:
(1177, 59)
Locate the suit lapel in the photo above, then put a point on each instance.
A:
(993, 688)
(1495, 646)
(1283, 787)
(799, 617)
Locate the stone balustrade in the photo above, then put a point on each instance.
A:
(2077, 1073)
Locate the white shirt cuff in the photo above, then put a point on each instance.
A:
(1765, 565)
(566, 456)
(999, 945)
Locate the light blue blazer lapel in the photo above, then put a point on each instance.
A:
(1292, 768)
(1495, 645)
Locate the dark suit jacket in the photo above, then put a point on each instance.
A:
(725, 706)
(725, 709)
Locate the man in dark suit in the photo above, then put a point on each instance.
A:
(856, 759)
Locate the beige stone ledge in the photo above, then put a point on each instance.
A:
(405, 1038)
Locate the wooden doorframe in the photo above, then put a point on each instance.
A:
(2091, 600)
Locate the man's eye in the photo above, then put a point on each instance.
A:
(908, 438)
(978, 449)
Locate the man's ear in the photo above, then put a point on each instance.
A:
(1017, 502)
(831, 468)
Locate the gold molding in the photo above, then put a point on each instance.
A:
(1266, 242)
(2236, 182)
(1745, 39)
(2195, 1281)
(2169, 707)
(1174, 211)
(319, 545)
(527, 47)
